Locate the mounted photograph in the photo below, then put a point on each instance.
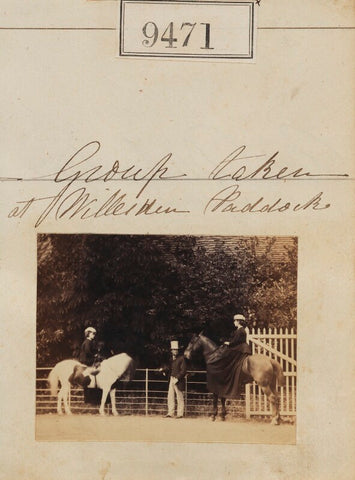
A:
(135, 332)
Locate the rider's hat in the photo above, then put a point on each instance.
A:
(240, 319)
(89, 330)
(174, 345)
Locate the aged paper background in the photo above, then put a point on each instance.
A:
(62, 87)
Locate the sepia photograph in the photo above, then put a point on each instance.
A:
(135, 332)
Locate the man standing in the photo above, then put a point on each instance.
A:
(177, 372)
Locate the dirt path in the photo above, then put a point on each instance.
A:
(156, 429)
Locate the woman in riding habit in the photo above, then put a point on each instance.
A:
(239, 335)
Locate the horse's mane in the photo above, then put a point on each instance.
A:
(210, 342)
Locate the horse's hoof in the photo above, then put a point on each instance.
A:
(60, 413)
(115, 414)
(213, 418)
(223, 419)
(102, 414)
(275, 421)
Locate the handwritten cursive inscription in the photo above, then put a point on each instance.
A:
(230, 200)
(75, 201)
(82, 205)
(69, 172)
(268, 170)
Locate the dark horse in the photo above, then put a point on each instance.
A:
(265, 371)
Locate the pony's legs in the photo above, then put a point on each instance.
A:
(273, 399)
(113, 402)
(66, 390)
(59, 401)
(215, 407)
(63, 395)
(273, 387)
(224, 411)
(105, 391)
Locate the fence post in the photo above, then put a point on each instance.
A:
(146, 391)
(247, 401)
(185, 403)
(293, 369)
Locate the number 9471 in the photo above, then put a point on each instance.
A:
(183, 31)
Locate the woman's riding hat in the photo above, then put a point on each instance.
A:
(240, 319)
(174, 345)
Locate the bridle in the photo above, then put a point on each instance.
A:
(193, 341)
(190, 347)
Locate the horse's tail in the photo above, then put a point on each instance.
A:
(278, 372)
(53, 380)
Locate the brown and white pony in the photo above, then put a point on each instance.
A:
(118, 367)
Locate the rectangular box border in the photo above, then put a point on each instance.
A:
(232, 56)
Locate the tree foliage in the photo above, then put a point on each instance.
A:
(141, 291)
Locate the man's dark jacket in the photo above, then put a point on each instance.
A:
(177, 369)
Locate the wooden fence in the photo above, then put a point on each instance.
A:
(282, 346)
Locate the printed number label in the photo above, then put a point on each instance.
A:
(151, 33)
(187, 29)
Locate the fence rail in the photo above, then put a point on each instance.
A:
(147, 393)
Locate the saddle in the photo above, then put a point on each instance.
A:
(94, 370)
(78, 378)
(230, 353)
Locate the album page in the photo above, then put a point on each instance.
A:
(177, 210)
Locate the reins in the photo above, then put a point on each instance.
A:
(208, 354)
(204, 344)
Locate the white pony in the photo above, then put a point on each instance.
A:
(118, 367)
